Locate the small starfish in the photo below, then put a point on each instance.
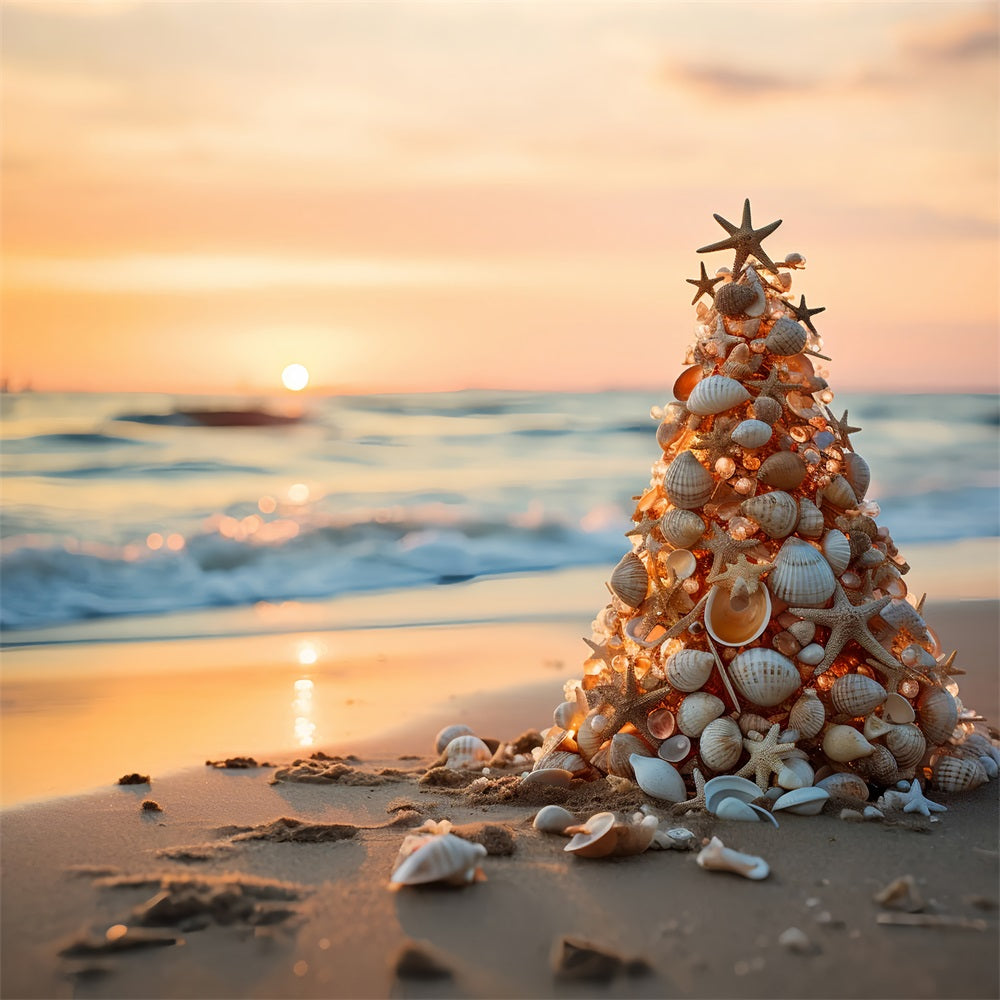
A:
(765, 757)
(844, 429)
(894, 676)
(644, 528)
(744, 239)
(915, 802)
(773, 387)
(606, 650)
(681, 626)
(698, 802)
(725, 548)
(741, 569)
(704, 284)
(628, 703)
(663, 606)
(847, 622)
(803, 313)
(717, 441)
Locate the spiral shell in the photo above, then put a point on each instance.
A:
(658, 778)
(776, 512)
(845, 743)
(752, 433)
(766, 409)
(681, 527)
(629, 580)
(810, 524)
(801, 576)
(787, 337)
(732, 299)
(696, 711)
(783, 470)
(440, 858)
(839, 493)
(763, 676)
(720, 745)
(880, 766)
(735, 622)
(856, 695)
(688, 669)
(837, 549)
(716, 394)
(857, 473)
(687, 482)
(907, 744)
(807, 714)
(957, 774)
(937, 714)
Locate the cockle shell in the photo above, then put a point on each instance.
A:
(623, 746)
(446, 735)
(696, 711)
(658, 778)
(907, 744)
(937, 713)
(857, 473)
(720, 745)
(786, 337)
(629, 580)
(553, 819)
(837, 550)
(810, 523)
(767, 409)
(801, 576)
(735, 622)
(466, 751)
(845, 743)
(675, 418)
(717, 857)
(807, 714)
(845, 785)
(783, 470)
(957, 774)
(591, 735)
(688, 669)
(681, 527)
(441, 858)
(716, 394)
(776, 512)
(763, 676)
(752, 433)
(687, 482)
(804, 801)
(565, 760)
(732, 299)
(839, 493)
(856, 695)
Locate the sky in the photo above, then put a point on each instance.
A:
(434, 196)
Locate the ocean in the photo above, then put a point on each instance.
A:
(123, 504)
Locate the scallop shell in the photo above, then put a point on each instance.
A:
(802, 801)
(629, 580)
(776, 512)
(807, 714)
(623, 746)
(736, 622)
(937, 715)
(716, 394)
(442, 858)
(553, 819)
(783, 470)
(446, 735)
(658, 778)
(732, 299)
(845, 785)
(839, 493)
(681, 527)
(763, 676)
(688, 669)
(837, 549)
(752, 433)
(801, 577)
(907, 744)
(717, 857)
(856, 695)
(766, 409)
(675, 418)
(845, 743)
(787, 337)
(466, 751)
(957, 774)
(720, 744)
(687, 482)
(696, 711)
(810, 522)
(857, 473)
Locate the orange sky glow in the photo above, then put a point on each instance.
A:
(405, 195)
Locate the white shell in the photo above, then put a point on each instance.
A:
(857, 473)
(591, 734)
(801, 576)
(696, 711)
(776, 512)
(786, 337)
(716, 394)
(717, 857)
(682, 563)
(907, 744)
(730, 808)
(734, 622)
(811, 654)
(720, 745)
(810, 523)
(795, 772)
(548, 776)
(674, 748)
(900, 614)
(567, 715)
(802, 801)
(957, 774)
(807, 714)
(726, 786)
(752, 433)
(563, 760)
(553, 819)
(837, 550)
(687, 482)
(597, 838)
(875, 727)
(688, 669)
(449, 733)
(443, 858)
(845, 785)
(803, 632)
(466, 751)
(898, 710)
(658, 778)
(783, 470)
(845, 743)
(937, 713)
(681, 527)
(856, 695)
(629, 580)
(763, 676)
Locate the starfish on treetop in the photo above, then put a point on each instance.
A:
(744, 239)
(803, 313)
(704, 284)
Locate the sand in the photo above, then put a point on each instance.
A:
(246, 884)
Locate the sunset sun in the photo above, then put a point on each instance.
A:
(295, 377)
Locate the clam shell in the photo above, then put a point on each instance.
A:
(681, 527)
(696, 711)
(807, 714)
(752, 433)
(957, 774)
(682, 563)
(776, 512)
(446, 735)
(688, 669)
(555, 776)
(729, 786)
(810, 523)
(845, 785)
(907, 744)
(801, 576)
(658, 778)
(839, 493)
(898, 710)
(856, 695)
(937, 714)
(751, 722)
(597, 838)
(717, 857)
(794, 772)
(732, 299)
(720, 745)
(623, 746)
(675, 418)
(716, 394)
(674, 749)
(466, 751)
(629, 580)
(763, 676)
(857, 473)
(443, 858)
(564, 760)
(687, 482)
(786, 337)
(567, 715)
(686, 382)
(767, 409)
(837, 550)
(802, 801)
(783, 470)
(845, 743)
(733, 622)
(734, 809)
(661, 723)
(553, 819)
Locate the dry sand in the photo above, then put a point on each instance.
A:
(243, 886)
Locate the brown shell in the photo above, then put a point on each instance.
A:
(681, 527)
(839, 493)
(767, 409)
(856, 695)
(957, 774)
(937, 713)
(810, 523)
(776, 512)
(880, 766)
(783, 470)
(623, 745)
(675, 418)
(786, 337)
(629, 580)
(807, 714)
(907, 744)
(732, 299)
(857, 473)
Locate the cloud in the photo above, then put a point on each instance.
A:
(963, 39)
(729, 83)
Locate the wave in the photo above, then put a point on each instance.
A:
(49, 443)
(141, 470)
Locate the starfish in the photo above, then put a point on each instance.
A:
(741, 569)
(913, 801)
(773, 387)
(663, 606)
(628, 703)
(683, 624)
(847, 622)
(844, 429)
(698, 802)
(946, 668)
(765, 756)
(644, 528)
(895, 675)
(803, 313)
(717, 441)
(744, 239)
(725, 548)
(704, 284)
(606, 650)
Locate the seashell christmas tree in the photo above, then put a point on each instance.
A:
(760, 624)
